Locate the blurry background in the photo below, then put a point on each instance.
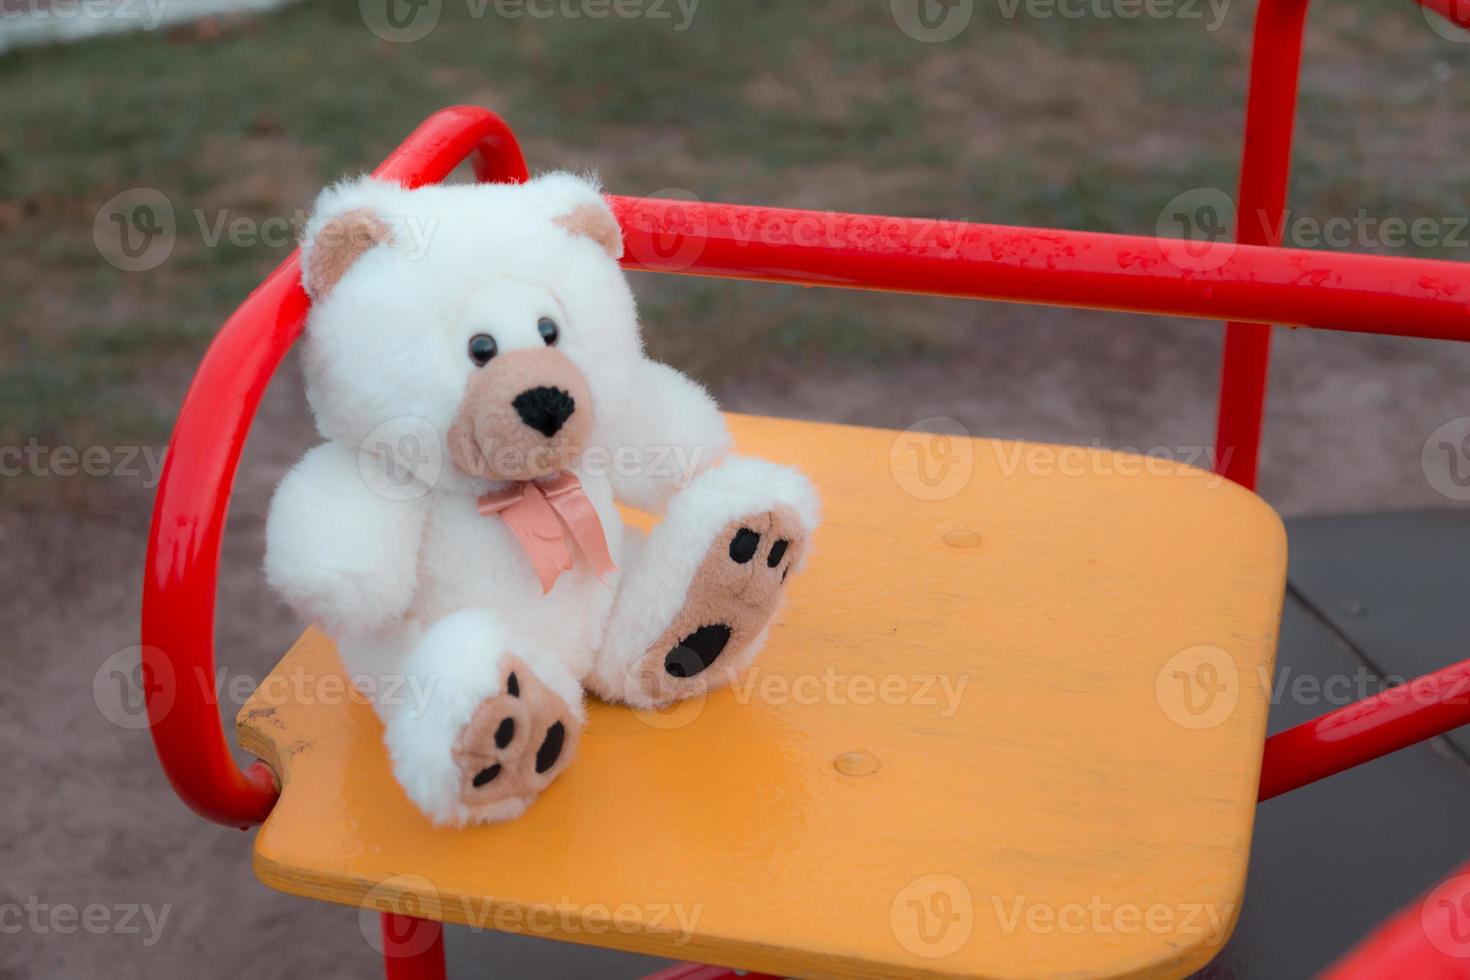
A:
(236, 120)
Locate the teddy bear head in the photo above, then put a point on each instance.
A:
(491, 318)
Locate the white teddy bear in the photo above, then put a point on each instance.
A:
(477, 580)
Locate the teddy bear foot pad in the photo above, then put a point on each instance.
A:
(515, 744)
(730, 602)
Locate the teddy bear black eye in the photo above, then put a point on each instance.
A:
(549, 331)
(482, 348)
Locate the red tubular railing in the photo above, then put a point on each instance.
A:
(1428, 940)
(199, 472)
(1361, 732)
(1128, 273)
(1270, 113)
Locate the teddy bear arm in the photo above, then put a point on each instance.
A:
(666, 432)
(339, 553)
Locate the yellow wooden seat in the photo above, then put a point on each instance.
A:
(1008, 725)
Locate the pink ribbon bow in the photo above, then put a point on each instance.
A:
(546, 518)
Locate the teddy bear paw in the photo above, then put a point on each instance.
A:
(731, 600)
(514, 745)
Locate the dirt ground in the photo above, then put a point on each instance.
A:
(834, 109)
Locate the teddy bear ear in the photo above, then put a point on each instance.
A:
(581, 209)
(344, 224)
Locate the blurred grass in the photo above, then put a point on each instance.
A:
(1090, 123)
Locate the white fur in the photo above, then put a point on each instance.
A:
(425, 589)
(658, 583)
(318, 557)
(457, 664)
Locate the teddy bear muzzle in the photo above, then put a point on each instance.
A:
(525, 416)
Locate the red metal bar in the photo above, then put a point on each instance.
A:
(1265, 164)
(694, 971)
(1361, 732)
(1130, 273)
(199, 472)
(1428, 940)
(1457, 12)
(413, 949)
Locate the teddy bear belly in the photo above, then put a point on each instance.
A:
(471, 561)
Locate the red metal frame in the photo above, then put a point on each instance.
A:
(1270, 115)
(413, 948)
(1428, 940)
(199, 474)
(1365, 730)
(1258, 284)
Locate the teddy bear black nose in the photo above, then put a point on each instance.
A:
(544, 409)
